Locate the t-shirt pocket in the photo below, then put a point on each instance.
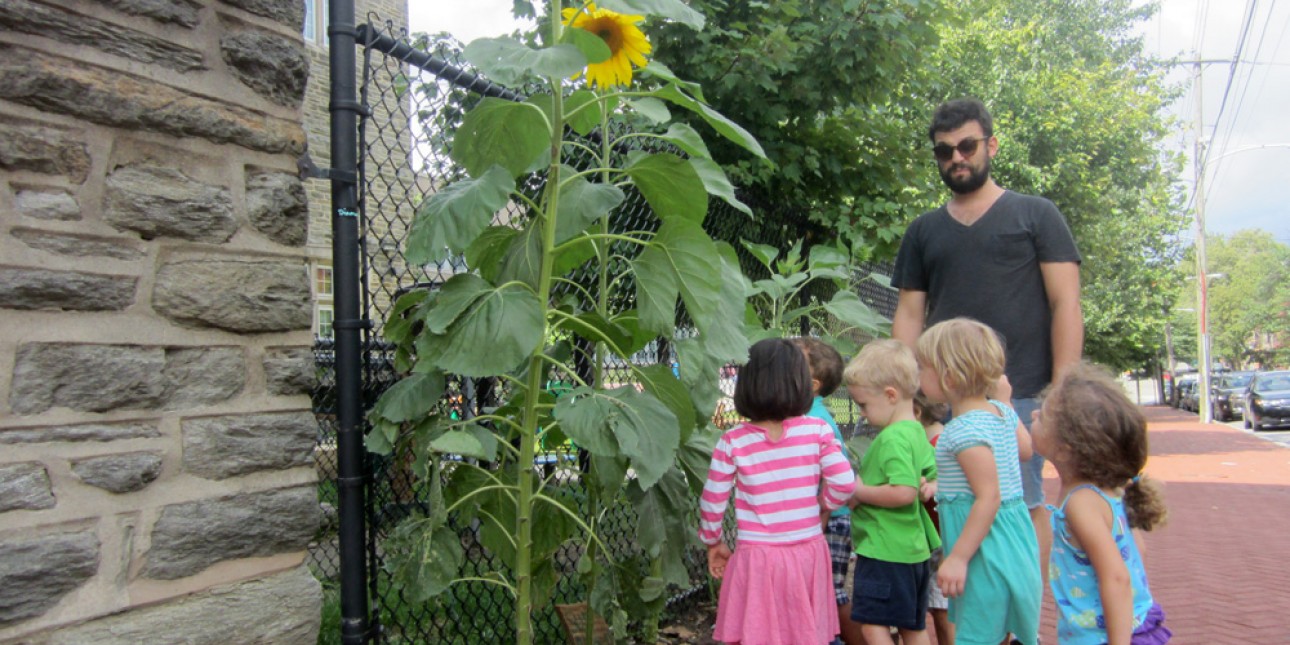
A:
(1014, 248)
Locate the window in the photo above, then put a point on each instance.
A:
(316, 21)
(325, 316)
(322, 283)
(324, 309)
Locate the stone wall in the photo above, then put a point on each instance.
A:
(155, 434)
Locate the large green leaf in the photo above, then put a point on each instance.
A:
(686, 138)
(610, 474)
(701, 371)
(652, 109)
(847, 307)
(398, 325)
(486, 252)
(582, 110)
(622, 421)
(671, 186)
(509, 62)
(581, 203)
(764, 253)
(452, 300)
(629, 320)
(716, 183)
(411, 398)
(522, 261)
(724, 126)
(824, 256)
(585, 418)
(593, 327)
(470, 441)
(425, 557)
(669, 9)
(593, 47)
(695, 456)
(449, 220)
(503, 133)
(667, 387)
(666, 535)
(500, 328)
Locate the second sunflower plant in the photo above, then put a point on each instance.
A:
(500, 321)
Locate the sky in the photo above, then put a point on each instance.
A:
(1243, 183)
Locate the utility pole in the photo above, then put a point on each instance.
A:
(1202, 278)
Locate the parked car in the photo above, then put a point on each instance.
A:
(1181, 385)
(1188, 395)
(1267, 401)
(1228, 394)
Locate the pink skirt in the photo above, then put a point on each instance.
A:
(778, 595)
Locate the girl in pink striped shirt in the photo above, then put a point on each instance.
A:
(777, 585)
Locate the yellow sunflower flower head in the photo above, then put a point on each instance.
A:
(627, 43)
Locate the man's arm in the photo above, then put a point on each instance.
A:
(911, 309)
(1061, 281)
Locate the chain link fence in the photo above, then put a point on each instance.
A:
(415, 92)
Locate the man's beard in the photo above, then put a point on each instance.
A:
(976, 177)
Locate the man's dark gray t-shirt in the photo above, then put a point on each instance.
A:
(989, 271)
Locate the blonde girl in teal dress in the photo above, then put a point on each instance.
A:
(1097, 439)
(990, 571)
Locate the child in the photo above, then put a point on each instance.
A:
(826, 374)
(777, 587)
(930, 414)
(894, 536)
(1097, 440)
(991, 568)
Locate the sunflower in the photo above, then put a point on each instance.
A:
(627, 44)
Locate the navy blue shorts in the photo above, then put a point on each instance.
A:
(893, 594)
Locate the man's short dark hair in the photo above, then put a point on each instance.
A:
(952, 115)
(775, 384)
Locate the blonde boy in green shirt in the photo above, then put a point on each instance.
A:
(893, 534)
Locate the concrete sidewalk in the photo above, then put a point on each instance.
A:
(1218, 567)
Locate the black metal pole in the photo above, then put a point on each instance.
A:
(348, 325)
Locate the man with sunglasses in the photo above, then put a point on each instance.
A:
(1003, 258)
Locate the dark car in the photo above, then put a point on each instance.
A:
(1267, 401)
(1182, 385)
(1228, 394)
(1188, 394)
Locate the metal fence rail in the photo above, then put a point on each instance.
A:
(413, 94)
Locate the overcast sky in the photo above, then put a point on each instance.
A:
(1245, 187)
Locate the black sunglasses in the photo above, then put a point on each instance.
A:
(966, 147)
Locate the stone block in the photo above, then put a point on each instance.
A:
(87, 378)
(246, 295)
(290, 370)
(33, 289)
(74, 28)
(163, 202)
(190, 537)
(228, 446)
(81, 432)
(279, 609)
(48, 203)
(36, 571)
(177, 12)
(277, 207)
(124, 473)
(274, 66)
(286, 12)
(117, 99)
(25, 487)
(34, 148)
(199, 376)
(80, 246)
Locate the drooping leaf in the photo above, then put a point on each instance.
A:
(411, 398)
(425, 558)
(581, 203)
(586, 418)
(764, 253)
(593, 327)
(847, 307)
(671, 186)
(500, 328)
(622, 421)
(824, 256)
(724, 126)
(502, 133)
(611, 474)
(398, 324)
(667, 387)
(651, 108)
(450, 220)
(522, 260)
(695, 456)
(715, 182)
(453, 298)
(582, 110)
(470, 441)
(701, 372)
(669, 9)
(686, 138)
(380, 439)
(508, 61)
(629, 321)
(486, 252)
(666, 535)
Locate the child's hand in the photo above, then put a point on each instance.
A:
(927, 491)
(952, 576)
(718, 556)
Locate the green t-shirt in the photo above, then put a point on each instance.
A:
(900, 456)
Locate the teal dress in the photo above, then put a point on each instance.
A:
(1004, 588)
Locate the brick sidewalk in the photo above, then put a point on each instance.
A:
(1218, 566)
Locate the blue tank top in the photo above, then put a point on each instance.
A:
(1080, 619)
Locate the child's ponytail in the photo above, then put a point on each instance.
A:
(1144, 503)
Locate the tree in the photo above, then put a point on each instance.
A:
(1251, 296)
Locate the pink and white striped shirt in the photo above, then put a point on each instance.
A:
(777, 483)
